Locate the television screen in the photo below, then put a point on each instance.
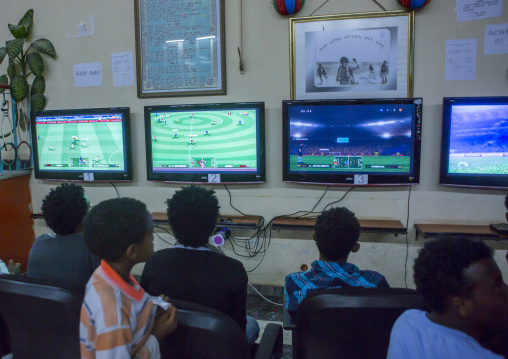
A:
(348, 142)
(474, 148)
(91, 144)
(206, 143)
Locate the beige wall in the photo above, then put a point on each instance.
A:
(266, 52)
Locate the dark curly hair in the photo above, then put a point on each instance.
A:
(506, 202)
(192, 214)
(113, 225)
(64, 208)
(337, 230)
(438, 270)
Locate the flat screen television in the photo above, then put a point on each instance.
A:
(206, 143)
(352, 142)
(90, 144)
(474, 151)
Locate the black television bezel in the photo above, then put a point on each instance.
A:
(78, 176)
(466, 180)
(347, 179)
(202, 178)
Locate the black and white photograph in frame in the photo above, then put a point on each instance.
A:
(361, 55)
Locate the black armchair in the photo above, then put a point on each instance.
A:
(42, 317)
(349, 323)
(204, 333)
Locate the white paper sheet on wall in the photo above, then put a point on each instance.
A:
(123, 68)
(460, 60)
(496, 39)
(468, 10)
(89, 74)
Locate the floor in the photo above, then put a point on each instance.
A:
(266, 312)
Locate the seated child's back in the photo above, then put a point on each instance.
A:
(63, 255)
(336, 234)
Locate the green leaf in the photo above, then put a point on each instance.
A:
(14, 48)
(4, 80)
(38, 85)
(19, 32)
(19, 88)
(35, 63)
(45, 46)
(3, 52)
(11, 70)
(37, 102)
(27, 20)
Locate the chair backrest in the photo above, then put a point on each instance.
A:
(350, 322)
(204, 333)
(5, 347)
(42, 317)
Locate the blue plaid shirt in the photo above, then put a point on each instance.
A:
(328, 275)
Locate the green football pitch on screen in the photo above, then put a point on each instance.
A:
(211, 139)
(81, 146)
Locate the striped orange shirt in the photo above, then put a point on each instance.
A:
(116, 318)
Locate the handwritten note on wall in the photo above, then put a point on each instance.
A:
(468, 10)
(496, 39)
(88, 74)
(123, 68)
(460, 60)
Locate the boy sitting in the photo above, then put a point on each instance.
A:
(467, 301)
(191, 271)
(118, 319)
(63, 255)
(336, 233)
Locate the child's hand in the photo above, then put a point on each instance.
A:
(165, 322)
(14, 268)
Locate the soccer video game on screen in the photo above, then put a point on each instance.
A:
(80, 143)
(204, 140)
(348, 139)
(479, 140)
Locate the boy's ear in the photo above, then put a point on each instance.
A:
(314, 236)
(132, 252)
(356, 247)
(461, 305)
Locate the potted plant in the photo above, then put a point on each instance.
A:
(25, 63)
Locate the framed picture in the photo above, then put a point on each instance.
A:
(180, 48)
(360, 55)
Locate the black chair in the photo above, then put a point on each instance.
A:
(5, 347)
(349, 323)
(204, 333)
(42, 317)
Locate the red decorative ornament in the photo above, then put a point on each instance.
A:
(413, 4)
(288, 7)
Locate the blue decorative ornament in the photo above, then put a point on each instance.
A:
(413, 4)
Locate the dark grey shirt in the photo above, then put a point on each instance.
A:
(63, 258)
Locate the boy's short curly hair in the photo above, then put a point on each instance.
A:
(113, 225)
(337, 230)
(64, 208)
(192, 214)
(439, 268)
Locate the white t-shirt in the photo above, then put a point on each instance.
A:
(3, 268)
(415, 336)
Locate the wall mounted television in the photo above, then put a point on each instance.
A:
(90, 144)
(352, 142)
(206, 143)
(474, 151)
